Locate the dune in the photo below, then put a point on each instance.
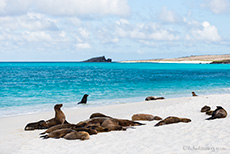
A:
(198, 136)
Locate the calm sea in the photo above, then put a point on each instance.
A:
(35, 87)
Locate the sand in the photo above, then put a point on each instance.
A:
(198, 136)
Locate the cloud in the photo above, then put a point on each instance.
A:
(145, 31)
(207, 32)
(83, 45)
(217, 6)
(168, 16)
(65, 8)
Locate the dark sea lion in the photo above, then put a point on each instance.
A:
(59, 117)
(98, 115)
(97, 121)
(209, 112)
(99, 129)
(153, 98)
(84, 99)
(36, 125)
(112, 124)
(194, 94)
(171, 120)
(88, 130)
(82, 135)
(59, 126)
(127, 123)
(57, 133)
(146, 117)
(219, 112)
(205, 108)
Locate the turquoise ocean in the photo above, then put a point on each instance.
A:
(30, 87)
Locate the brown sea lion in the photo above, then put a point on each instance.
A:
(209, 112)
(97, 121)
(84, 99)
(112, 124)
(59, 126)
(98, 115)
(194, 94)
(147, 117)
(171, 120)
(36, 125)
(219, 112)
(153, 98)
(59, 117)
(82, 135)
(99, 129)
(57, 133)
(205, 108)
(88, 130)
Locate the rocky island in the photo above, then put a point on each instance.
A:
(99, 59)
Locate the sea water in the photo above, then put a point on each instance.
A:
(35, 87)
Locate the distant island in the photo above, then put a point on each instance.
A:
(202, 59)
(99, 59)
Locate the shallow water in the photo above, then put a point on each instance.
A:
(34, 87)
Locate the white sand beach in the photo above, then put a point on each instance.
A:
(198, 136)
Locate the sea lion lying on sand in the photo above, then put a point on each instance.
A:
(219, 112)
(147, 117)
(205, 108)
(82, 135)
(171, 120)
(98, 115)
(36, 125)
(58, 119)
(57, 133)
(84, 99)
(149, 98)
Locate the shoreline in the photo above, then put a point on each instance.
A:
(149, 138)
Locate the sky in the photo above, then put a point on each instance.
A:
(76, 30)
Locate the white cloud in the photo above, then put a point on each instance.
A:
(149, 31)
(66, 8)
(168, 16)
(206, 33)
(217, 6)
(83, 45)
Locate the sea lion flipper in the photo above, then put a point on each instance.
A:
(44, 137)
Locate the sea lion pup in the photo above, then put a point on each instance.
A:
(209, 112)
(59, 117)
(59, 126)
(57, 133)
(153, 98)
(98, 115)
(36, 125)
(205, 108)
(84, 99)
(194, 94)
(88, 130)
(219, 112)
(171, 120)
(82, 135)
(147, 117)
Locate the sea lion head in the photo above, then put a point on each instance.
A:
(219, 107)
(185, 120)
(58, 106)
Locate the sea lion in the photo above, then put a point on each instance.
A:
(99, 129)
(205, 108)
(219, 112)
(153, 98)
(36, 125)
(98, 115)
(97, 121)
(57, 133)
(59, 126)
(147, 117)
(84, 99)
(82, 135)
(194, 94)
(171, 120)
(59, 117)
(88, 130)
(209, 112)
(112, 124)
